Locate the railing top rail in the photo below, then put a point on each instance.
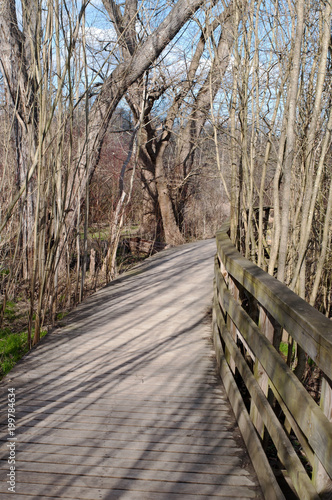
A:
(311, 329)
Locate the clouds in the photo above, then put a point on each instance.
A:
(99, 37)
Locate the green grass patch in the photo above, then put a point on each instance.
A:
(99, 234)
(13, 346)
(283, 348)
(103, 233)
(10, 311)
(129, 230)
(61, 315)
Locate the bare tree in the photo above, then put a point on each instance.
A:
(196, 92)
(41, 64)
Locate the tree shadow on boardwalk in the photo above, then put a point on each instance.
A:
(123, 401)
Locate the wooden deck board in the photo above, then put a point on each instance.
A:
(122, 402)
(168, 462)
(129, 491)
(161, 485)
(90, 453)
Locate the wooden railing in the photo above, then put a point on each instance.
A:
(251, 310)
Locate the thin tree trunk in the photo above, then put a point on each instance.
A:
(290, 143)
(324, 246)
(313, 187)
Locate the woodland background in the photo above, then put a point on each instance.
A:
(130, 125)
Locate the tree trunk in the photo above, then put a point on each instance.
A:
(15, 68)
(290, 143)
(171, 229)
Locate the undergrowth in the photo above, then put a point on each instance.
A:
(13, 343)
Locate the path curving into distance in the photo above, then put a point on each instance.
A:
(123, 401)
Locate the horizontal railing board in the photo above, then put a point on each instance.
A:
(283, 445)
(309, 416)
(269, 485)
(311, 329)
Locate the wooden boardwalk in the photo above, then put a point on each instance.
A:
(123, 401)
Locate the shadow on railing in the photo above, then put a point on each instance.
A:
(251, 310)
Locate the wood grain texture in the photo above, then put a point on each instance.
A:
(312, 331)
(284, 447)
(302, 407)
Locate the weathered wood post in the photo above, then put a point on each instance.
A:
(320, 478)
(266, 325)
(229, 323)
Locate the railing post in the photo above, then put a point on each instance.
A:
(320, 478)
(233, 289)
(230, 324)
(267, 326)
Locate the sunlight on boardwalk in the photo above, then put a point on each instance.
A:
(123, 401)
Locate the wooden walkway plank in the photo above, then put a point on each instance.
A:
(123, 401)
(168, 463)
(116, 455)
